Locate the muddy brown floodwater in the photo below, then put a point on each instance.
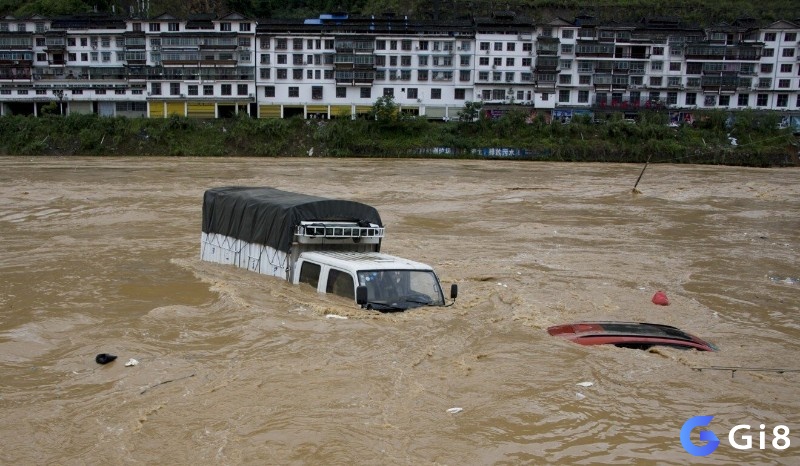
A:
(102, 255)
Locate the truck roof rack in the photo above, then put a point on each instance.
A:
(311, 231)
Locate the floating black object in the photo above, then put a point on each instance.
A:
(104, 358)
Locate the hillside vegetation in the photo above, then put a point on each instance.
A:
(703, 12)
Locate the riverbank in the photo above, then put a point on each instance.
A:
(713, 139)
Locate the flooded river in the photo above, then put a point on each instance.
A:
(101, 255)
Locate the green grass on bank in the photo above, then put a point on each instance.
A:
(759, 142)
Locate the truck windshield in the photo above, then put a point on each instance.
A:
(401, 289)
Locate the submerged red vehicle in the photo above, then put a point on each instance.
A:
(636, 335)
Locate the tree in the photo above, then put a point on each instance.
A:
(471, 112)
(385, 109)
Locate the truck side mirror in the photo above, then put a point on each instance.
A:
(361, 295)
(453, 291)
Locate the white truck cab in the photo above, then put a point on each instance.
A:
(377, 281)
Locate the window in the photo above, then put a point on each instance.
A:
(498, 46)
(269, 91)
(316, 92)
(224, 26)
(769, 37)
(782, 101)
(658, 51)
(567, 33)
(340, 283)
(483, 61)
(672, 98)
(565, 79)
(436, 93)
(155, 27)
(565, 65)
(509, 61)
(155, 88)
(226, 89)
(583, 97)
(192, 89)
(786, 68)
(294, 91)
(282, 73)
(174, 88)
(691, 98)
(483, 46)
(566, 48)
(241, 89)
(41, 57)
(762, 99)
(655, 80)
(563, 96)
(511, 46)
(244, 27)
(309, 273)
(768, 53)
(388, 92)
(422, 75)
(743, 100)
(724, 100)
(784, 83)
(790, 37)
(265, 73)
(657, 65)
(173, 27)
(341, 92)
(366, 93)
(464, 75)
(585, 80)
(675, 66)
(497, 61)
(208, 89)
(297, 74)
(460, 94)
(786, 53)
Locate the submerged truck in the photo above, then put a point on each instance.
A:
(332, 245)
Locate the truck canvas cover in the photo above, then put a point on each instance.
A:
(269, 216)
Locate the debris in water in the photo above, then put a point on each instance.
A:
(585, 384)
(104, 358)
(785, 280)
(334, 316)
(580, 396)
(660, 298)
(131, 362)
(454, 410)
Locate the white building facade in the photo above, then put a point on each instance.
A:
(206, 66)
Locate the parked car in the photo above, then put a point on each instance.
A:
(636, 335)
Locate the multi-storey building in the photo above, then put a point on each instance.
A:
(337, 66)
